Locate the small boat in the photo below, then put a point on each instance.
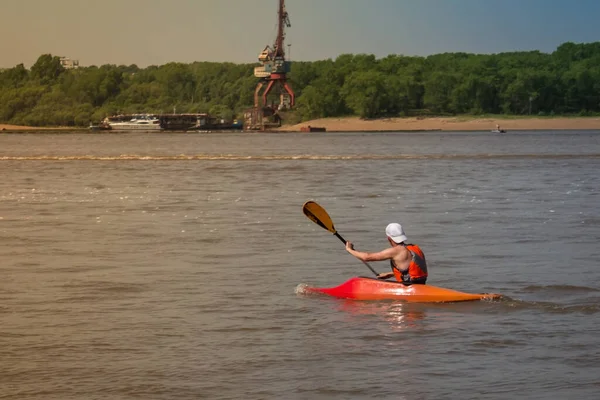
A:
(363, 288)
(133, 122)
(313, 129)
(498, 131)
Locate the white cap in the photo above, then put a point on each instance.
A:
(395, 232)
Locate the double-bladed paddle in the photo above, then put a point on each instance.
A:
(319, 216)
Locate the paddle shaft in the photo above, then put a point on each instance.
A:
(319, 216)
(364, 262)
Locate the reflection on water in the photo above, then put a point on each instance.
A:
(400, 316)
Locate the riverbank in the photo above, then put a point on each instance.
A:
(5, 128)
(412, 124)
(462, 123)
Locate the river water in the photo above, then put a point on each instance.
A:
(166, 266)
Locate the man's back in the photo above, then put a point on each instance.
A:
(401, 258)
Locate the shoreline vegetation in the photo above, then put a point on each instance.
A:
(408, 124)
(449, 91)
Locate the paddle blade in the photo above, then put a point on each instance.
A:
(318, 215)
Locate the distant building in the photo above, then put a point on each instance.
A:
(67, 63)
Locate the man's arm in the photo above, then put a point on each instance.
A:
(386, 254)
(385, 275)
(363, 256)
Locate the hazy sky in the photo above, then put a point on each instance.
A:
(146, 32)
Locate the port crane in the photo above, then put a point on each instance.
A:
(273, 78)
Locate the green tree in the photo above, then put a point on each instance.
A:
(221, 111)
(364, 92)
(13, 77)
(439, 88)
(47, 69)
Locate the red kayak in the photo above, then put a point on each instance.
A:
(362, 288)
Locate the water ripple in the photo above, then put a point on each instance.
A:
(311, 157)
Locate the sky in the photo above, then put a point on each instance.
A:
(155, 32)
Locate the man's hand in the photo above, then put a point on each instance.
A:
(385, 275)
(349, 246)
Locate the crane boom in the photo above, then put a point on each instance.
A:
(284, 21)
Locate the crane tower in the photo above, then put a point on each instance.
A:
(273, 78)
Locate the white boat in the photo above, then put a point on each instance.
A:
(133, 122)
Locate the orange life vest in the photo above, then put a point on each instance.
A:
(417, 269)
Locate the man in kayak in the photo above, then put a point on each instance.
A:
(407, 260)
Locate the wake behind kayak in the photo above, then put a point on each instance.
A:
(363, 288)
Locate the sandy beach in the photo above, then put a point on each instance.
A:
(355, 124)
(13, 128)
(351, 124)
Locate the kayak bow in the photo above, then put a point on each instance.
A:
(363, 288)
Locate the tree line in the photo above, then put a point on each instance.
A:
(566, 81)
